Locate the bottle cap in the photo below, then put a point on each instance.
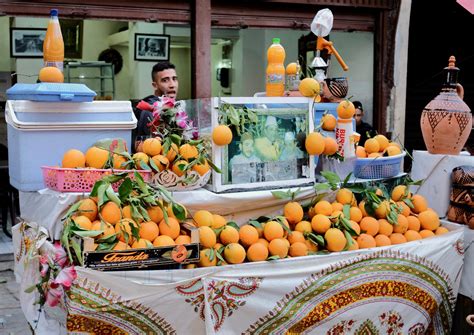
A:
(276, 40)
(53, 12)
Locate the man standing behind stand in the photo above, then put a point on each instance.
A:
(362, 127)
(165, 83)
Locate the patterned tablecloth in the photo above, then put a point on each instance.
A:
(404, 289)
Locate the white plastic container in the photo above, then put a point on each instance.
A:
(39, 133)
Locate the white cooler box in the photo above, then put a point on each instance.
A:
(39, 133)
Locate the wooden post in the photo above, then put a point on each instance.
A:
(201, 49)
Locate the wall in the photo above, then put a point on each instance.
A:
(5, 44)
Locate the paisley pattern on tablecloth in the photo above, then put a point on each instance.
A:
(89, 303)
(383, 277)
(224, 297)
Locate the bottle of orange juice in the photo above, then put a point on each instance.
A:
(275, 75)
(53, 45)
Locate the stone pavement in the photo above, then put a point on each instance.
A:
(12, 320)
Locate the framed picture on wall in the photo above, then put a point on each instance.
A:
(26, 42)
(152, 47)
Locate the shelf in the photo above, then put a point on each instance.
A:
(95, 77)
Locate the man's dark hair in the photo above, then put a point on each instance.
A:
(161, 66)
(358, 105)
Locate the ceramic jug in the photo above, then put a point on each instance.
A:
(446, 121)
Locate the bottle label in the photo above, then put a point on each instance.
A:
(59, 65)
(275, 79)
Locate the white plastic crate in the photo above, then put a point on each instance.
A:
(39, 133)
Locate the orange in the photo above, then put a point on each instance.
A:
(188, 151)
(362, 208)
(123, 229)
(336, 215)
(355, 226)
(183, 239)
(397, 238)
(304, 227)
(218, 221)
(328, 122)
(121, 246)
(155, 213)
(412, 235)
(73, 159)
(336, 206)
(97, 157)
(429, 220)
(298, 249)
(203, 218)
(383, 142)
(320, 223)
(426, 233)
(51, 74)
(398, 193)
(179, 167)
(345, 109)
(402, 225)
(273, 230)
(207, 237)
(382, 210)
(293, 212)
(344, 196)
(248, 235)
(119, 162)
(382, 240)
(141, 160)
(385, 227)
(309, 87)
(354, 245)
(312, 247)
(360, 152)
(152, 146)
(148, 230)
(234, 253)
(142, 244)
(323, 207)
(335, 239)
(278, 247)
(295, 236)
(163, 241)
(355, 214)
(371, 146)
(171, 229)
(222, 135)
(314, 144)
(404, 207)
(263, 241)
(172, 152)
(108, 229)
(83, 222)
(366, 241)
(205, 258)
(110, 212)
(161, 162)
(393, 150)
(202, 169)
(88, 208)
(330, 146)
(374, 155)
(413, 223)
(257, 252)
(229, 235)
(419, 203)
(369, 225)
(441, 231)
(292, 68)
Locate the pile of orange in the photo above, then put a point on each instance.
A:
(95, 157)
(151, 154)
(123, 232)
(378, 146)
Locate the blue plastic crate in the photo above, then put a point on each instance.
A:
(52, 92)
(378, 167)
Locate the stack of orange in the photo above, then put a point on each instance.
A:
(95, 157)
(378, 146)
(125, 233)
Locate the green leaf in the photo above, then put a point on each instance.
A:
(77, 250)
(331, 177)
(317, 239)
(153, 165)
(179, 211)
(73, 209)
(108, 239)
(31, 289)
(113, 196)
(125, 188)
(346, 210)
(218, 254)
(347, 227)
(321, 187)
(233, 224)
(211, 253)
(176, 139)
(255, 223)
(346, 180)
(281, 220)
(213, 166)
(409, 203)
(273, 258)
(88, 233)
(349, 240)
(94, 192)
(106, 246)
(281, 194)
(101, 194)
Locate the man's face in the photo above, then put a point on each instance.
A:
(358, 115)
(271, 132)
(247, 148)
(166, 83)
(153, 46)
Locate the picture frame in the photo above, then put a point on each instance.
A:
(269, 152)
(26, 42)
(152, 47)
(72, 31)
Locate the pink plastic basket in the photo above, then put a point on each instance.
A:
(81, 180)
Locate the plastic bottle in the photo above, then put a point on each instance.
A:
(275, 75)
(53, 45)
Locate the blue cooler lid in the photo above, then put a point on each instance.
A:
(53, 92)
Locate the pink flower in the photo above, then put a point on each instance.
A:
(53, 295)
(66, 276)
(182, 119)
(60, 256)
(44, 265)
(143, 105)
(167, 102)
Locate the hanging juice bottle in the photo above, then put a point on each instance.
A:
(275, 75)
(53, 45)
